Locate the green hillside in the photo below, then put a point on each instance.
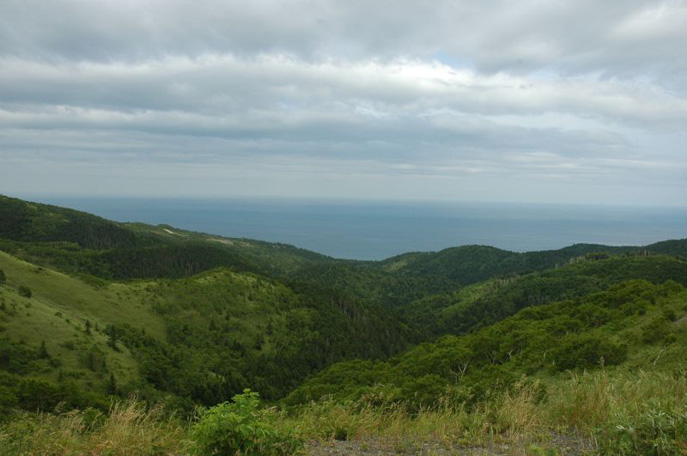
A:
(486, 344)
(627, 324)
(59, 333)
(77, 242)
(490, 301)
(201, 339)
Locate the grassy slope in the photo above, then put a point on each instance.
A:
(106, 303)
(56, 314)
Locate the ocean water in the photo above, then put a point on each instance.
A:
(378, 230)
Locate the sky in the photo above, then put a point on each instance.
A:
(551, 101)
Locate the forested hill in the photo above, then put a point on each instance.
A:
(79, 242)
(92, 310)
(75, 241)
(485, 303)
(473, 263)
(631, 322)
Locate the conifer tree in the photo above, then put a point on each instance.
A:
(112, 386)
(43, 351)
(112, 337)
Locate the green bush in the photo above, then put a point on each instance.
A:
(242, 428)
(24, 291)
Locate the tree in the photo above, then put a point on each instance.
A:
(112, 386)
(36, 394)
(43, 351)
(3, 279)
(111, 332)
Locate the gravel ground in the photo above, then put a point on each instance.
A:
(564, 445)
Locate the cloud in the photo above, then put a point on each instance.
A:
(469, 94)
(497, 35)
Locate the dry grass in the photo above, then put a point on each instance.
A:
(129, 429)
(580, 404)
(519, 412)
(510, 416)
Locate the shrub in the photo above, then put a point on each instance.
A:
(24, 291)
(669, 314)
(241, 427)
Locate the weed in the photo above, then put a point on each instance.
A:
(241, 427)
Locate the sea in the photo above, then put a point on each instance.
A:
(366, 230)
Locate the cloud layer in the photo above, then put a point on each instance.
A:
(531, 100)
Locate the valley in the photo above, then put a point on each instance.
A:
(468, 348)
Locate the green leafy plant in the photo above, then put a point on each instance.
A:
(242, 427)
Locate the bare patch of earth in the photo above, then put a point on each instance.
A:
(222, 241)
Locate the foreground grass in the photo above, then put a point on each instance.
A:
(129, 429)
(623, 412)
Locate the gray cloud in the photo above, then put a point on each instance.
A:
(613, 36)
(440, 99)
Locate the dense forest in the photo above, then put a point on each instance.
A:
(94, 311)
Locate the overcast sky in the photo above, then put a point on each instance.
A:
(538, 101)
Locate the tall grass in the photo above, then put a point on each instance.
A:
(128, 429)
(625, 412)
(589, 400)
(508, 416)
